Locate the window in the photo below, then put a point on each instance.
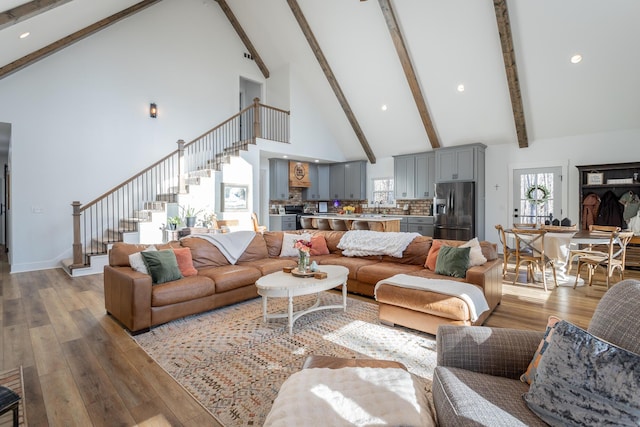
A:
(537, 195)
(383, 191)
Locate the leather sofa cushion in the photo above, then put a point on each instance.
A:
(185, 289)
(270, 265)
(415, 253)
(204, 253)
(383, 270)
(230, 277)
(423, 301)
(352, 263)
(256, 250)
(119, 253)
(489, 250)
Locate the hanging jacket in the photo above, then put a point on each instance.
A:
(610, 211)
(590, 206)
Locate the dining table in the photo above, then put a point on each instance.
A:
(557, 245)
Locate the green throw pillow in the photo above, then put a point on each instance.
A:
(453, 261)
(162, 266)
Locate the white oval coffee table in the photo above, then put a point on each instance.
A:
(285, 285)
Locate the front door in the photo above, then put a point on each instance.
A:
(537, 195)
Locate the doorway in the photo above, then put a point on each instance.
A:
(537, 195)
(249, 90)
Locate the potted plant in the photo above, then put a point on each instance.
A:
(173, 222)
(190, 214)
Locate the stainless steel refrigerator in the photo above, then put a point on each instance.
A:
(454, 211)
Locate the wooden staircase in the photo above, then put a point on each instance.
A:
(137, 210)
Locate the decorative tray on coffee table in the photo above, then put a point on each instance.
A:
(297, 273)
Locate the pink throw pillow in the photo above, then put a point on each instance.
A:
(185, 263)
(319, 246)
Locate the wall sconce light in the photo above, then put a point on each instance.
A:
(153, 110)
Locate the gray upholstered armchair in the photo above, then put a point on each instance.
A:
(477, 381)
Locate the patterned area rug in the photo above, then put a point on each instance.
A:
(233, 363)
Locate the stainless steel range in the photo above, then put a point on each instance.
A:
(295, 209)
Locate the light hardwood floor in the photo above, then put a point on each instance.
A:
(81, 368)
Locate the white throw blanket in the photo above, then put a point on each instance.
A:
(350, 397)
(363, 243)
(471, 294)
(232, 245)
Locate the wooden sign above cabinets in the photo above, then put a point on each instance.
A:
(299, 174)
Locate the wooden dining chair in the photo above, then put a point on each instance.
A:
(507, 251)
(256, 226)
(589, 249)
(612, 260)
(532, 240)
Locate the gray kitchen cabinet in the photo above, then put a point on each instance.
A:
(425, 175)
(278, 179)
(319, 177)
(355, 184)
(348, 181)
(403, 224)
(282, 222)
(459, 163)
(336, 181)
(420, 224)
(404, 176)
(414, 175)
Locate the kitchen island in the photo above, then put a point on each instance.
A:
(384, 223)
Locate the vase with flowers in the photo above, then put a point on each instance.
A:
(303, 247)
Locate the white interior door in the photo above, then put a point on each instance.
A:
(537, 195)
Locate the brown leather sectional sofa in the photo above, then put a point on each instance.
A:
(131, 298)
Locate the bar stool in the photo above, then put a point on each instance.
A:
(323, 224)
(376, 226)
(338, 225)
(360, 225)
(307, 223)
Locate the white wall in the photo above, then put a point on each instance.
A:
(80, 121)
(568, 152)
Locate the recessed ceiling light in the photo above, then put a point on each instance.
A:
(25, 35)
(317, 161)
(285, 156)
(384, 107)
(576, 58)
(460, 88)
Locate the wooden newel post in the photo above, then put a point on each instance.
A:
(77, 243)
(257, 128)
(182, 186)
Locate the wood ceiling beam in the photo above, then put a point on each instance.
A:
(509, 56)
(64, 42)
(409, 71)
(333, 82)
(243, 36)
(27, 10)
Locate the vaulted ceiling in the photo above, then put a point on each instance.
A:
(446, 44)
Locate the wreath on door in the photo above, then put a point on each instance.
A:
(537, 194)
